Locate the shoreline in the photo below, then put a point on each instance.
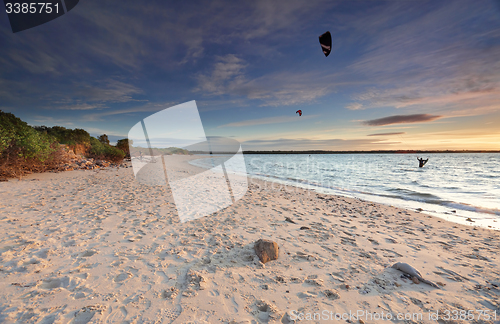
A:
(478, 217)
(94, 246)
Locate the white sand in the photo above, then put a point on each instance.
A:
(98, 247)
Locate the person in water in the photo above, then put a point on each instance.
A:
(421, 162)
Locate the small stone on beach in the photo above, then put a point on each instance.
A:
(266, 250)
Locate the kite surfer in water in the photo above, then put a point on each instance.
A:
(421, 162)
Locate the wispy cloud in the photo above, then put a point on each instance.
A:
(229, 77)
(107, 91)
(227, 74)
(401, 119)
(387, 134)
(355, 106)
(307, 144)
(268, 120)
(145, 108)
(453, 71)
(87, 96)
(51, 121)
(79, 106)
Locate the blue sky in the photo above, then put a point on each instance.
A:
(401, 75)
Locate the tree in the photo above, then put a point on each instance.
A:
(103, 139)
(80, 136)
(123, 145)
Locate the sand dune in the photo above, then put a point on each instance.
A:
(99, 247)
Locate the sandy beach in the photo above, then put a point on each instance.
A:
(96, 246)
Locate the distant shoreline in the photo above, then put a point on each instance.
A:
(352, 152)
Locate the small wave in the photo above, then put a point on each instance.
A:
(467, 207)
(415, 194)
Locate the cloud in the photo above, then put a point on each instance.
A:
(46, 120)
(355, 106)
(226, 74)
(268, 120)
(79, 106)
(106, 91)
(275, 90)
(146, 108)
(387, 134)
(35, 62)
(448, 96)
(454, 71)
(87, 96)
(272, 16)
(401, 119)
(308, 144)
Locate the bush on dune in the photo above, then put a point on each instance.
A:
(69, 137)
(123, 145)
(99, 150)
(103, 139)
(23, 149)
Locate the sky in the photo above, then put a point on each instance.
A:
(402, 74)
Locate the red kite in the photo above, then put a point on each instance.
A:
(300, 112)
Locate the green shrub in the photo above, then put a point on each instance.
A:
(123, 145)
(103, 151)
(17, 137)
(25, 150)
(103, 139)
(66, 136)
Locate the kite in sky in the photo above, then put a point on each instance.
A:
(326, 43)
(299, 112)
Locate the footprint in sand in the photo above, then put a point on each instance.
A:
(43, 253)
(235, 305)
(122, 277)
(170, 293)
(53, 283)
(117, 263)
(117, 316)
(85, 314)
(78, 295)
(83, 275)
(69, 243)
(88, 253)
(50, 319)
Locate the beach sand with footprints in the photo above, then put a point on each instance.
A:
(96, 246)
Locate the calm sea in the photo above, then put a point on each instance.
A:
(454, 186)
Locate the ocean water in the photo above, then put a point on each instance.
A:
(456, 187)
